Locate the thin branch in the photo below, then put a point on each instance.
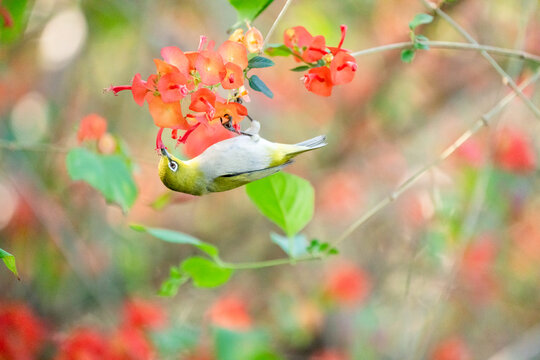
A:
(450, 45)
(273, 27)
(17, 146)
(266, 263)
(506, 78)
(483, 121)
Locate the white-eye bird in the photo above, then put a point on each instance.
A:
(231, 163)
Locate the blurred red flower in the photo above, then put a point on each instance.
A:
(92, 127)
(514, 151)
(84, 344)
(143, 315)
(476, 270)
(451, 349)
(230, 312)
(328, 354)
(22, 333)
(347, 284)
(130, 343)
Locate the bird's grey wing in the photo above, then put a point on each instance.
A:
(233, 180)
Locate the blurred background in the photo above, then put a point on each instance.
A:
(448, 271)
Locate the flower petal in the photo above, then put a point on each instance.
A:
(165, 115)
(176, 57)
(234, 77)
(234, 52)
(210, 66)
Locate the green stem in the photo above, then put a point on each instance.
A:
(266, 263)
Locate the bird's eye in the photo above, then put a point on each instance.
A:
(173, 165)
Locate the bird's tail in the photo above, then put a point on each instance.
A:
(314, 143)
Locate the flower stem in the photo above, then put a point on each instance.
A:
(450, 45)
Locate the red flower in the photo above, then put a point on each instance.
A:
(84, 344)
(203, 137)
(140, 314)
(92, 127)
(328, 354)
(514, 151)
(22, 334)
(230, 312)
(347, 284)
(172, 87)
(315, 50)
(476, 270)
(319, 81)
(166, 115)
(129, 343)
(451, 349)
(343, 67)
(297, 39)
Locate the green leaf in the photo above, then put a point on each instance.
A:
(248, 10)
(407, 55)
(285, 199)
(162, 201)
(258, 85)
(176, 279)
(298, 244)
(177, 238)
(420, 19)
(171, 341)
(109, 174)
(245, 345)
(278, 50)
(258, 62)
(9, 261)
(301, 68)
(204, 272)
(320, 248)
(19, 12)
(420, 42)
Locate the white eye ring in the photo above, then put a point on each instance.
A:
(173, 165)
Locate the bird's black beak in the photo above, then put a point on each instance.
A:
(164, 152)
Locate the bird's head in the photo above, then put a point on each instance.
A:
(178, 175)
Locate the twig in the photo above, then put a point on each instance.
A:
(273, 27)
(506, 78)
(266, 263)
(483, 121)
(15, 146)
(450, 45)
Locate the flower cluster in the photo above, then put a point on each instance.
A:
(191, 79)
(327, 66)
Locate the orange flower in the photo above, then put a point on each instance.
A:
(210, 66)
(230, 312)
(92, 127)
(234, 77)
(297, 39)
(166, 115)
(254, 40)
(234, 52)
(172, 87)
(230, 110)
(177, 58)
(319, 81)
(203, 100)
(237, 36)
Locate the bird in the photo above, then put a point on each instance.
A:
(231, 163)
